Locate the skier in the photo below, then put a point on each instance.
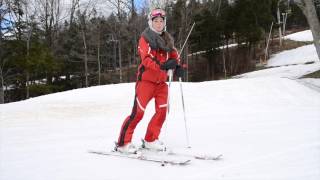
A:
(158, 55)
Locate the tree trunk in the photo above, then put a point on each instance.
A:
(279, 23)
(1, 72)
(72, 10)
(99, 67)
(27, 85)
(224, 60)
(120, 62)
(119, 10)
(309, 10)
(99, 63)
(1, 87)
(28, 56)
(85, 56)
(114, 54)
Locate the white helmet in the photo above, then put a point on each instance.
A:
(158, 12)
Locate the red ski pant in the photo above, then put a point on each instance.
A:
(145, 91)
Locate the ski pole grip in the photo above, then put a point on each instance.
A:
(170, 74)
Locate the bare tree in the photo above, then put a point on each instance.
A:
(72, 10)
(15, 12)
(96, 25)
(122, 8)
(83, 29)
(309, 10)
(48, 12)
(48, 15)
(98, 55)
(84, 14)
(1, 79)
(133, 26)
(8, 14)
(3, 74)
(158, 3)
(2, 14)
(24, 27)
(28, 51)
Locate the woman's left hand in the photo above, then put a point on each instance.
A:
(180, 72)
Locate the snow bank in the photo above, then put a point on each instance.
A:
(301, 55)
(293, 64)
(301, 36)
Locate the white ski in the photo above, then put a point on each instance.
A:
(170, 152)
(140, 156)
(198, 156)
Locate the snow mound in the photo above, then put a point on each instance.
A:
(292, 64)
(301, 36)
(301, 55)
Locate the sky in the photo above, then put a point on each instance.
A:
(4, 24)
(138, 4)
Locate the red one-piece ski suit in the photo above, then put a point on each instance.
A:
(151, 83)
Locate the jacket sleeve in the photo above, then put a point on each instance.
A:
(147, 59)
(174, 55)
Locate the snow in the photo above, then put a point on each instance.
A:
(300, 36)
(266, 125)
(291, 72)
(312, 81)
(291, 64)
(300, 55)
(220, 47)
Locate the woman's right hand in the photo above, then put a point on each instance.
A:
(169, 64)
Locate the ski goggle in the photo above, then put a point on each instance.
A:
(157, 13)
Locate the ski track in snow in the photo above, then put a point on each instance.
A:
(261, 125)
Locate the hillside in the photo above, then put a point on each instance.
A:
(265, 123)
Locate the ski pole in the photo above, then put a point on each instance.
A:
(194, 23)
(181, 92)
(170, 74)
(184, 114)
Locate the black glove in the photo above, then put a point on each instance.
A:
(169, 64)
(180, 72)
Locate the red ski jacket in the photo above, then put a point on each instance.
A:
(151, 59)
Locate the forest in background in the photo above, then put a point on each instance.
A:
(42, 52)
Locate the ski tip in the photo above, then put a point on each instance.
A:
(205, 157)
(94, 152)
(180, 163)
(219, 157)
(187, 162)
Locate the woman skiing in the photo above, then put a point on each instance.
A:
(158, 55)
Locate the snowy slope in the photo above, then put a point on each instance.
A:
(261, 125)
(300, 36)
(292, 63)
(301, 55)
(267, 127)
(292, 72)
